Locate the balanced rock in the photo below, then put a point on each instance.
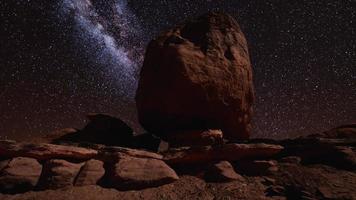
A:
(91, 173)
(222, 172)
(59, 174)
(20, 175)
(197, 76)
(138, 173)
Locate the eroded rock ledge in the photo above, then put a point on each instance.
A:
(49, 166)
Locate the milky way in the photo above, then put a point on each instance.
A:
(121, 59)
(63, 59)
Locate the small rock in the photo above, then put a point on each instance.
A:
(228, 152)
(222, 172)
(257, 167)
(291, 159)
(58, 174)
(20, 175)
(91, 173)
(131, 173)
(195, 138)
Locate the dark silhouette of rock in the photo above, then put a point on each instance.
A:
(138, 173)
(291, 159)
(58, 174)
(91, 173)
(222, 172)
(20, 175)
(101, 129)
(145, 141)
(195, 138)
(197, 76)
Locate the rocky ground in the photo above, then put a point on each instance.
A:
(320, 166)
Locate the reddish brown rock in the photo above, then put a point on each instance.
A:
(113, 153)
(138, 173)
(20, 175)
(229, 152)
(58, 174)
(91, 173)
(222, 172)
(198, 76)
(3, 164)
(44, 151)
(257, 167)
(195, 138)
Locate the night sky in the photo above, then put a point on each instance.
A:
(61, 60)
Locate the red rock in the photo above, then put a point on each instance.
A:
(3, 164)
(20, 175)
(197, 76)
(113, 153)
(138, 173)
(44, 151)
(222, 172)
(58, 174)
(91, 173)
(195, 138)
(229, 152)
(257, 167)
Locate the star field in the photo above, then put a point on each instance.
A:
(62, 60)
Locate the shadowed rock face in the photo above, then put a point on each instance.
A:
(198, 76)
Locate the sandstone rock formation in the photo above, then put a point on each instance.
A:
(58, 174)
(303, 168)
(44, 151)
(198, 76)
(137, 173)
(19, 175)
(228, 152)
(222, 172)
(91, 173)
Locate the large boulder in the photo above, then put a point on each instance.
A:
(91, 173)
(197, 76)
(58, 174)
(20, 175)
(138, 173)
